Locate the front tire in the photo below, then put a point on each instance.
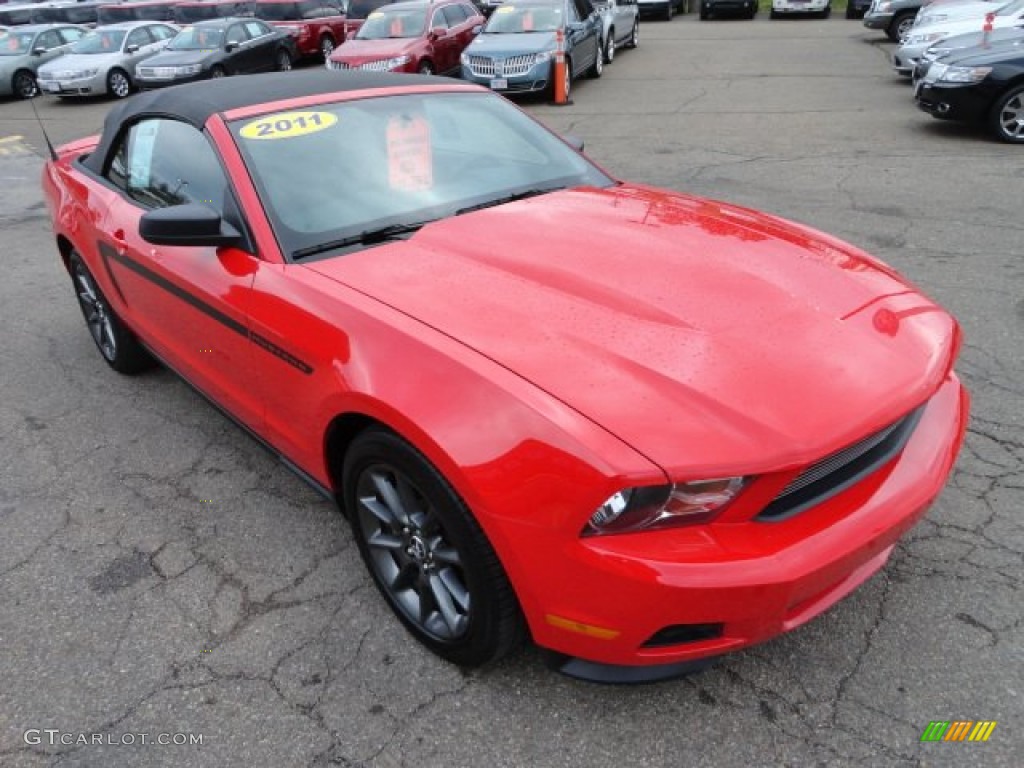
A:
(118, 84)
(283, 61)
(426, 553)
(1007, 116)
(634, 36)
(425, 68)
(326, 46)
(609, 47)
(118, 345)
(900, 27)
(670, 11)
(218, 71)
(597, 68)
(24, 84)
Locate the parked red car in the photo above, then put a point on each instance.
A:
(318, 26)
(414, 36)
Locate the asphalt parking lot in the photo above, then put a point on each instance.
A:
(160, 574)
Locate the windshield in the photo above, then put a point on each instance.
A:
(278, 11)
(15, 43)
(196, 39)
(187, 14)
(381, 25)
(69, 15)
(338, 171)
(360, 9)
(512, 20)
(107, 41)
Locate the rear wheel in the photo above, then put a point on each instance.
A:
(670, 11)
(326, 46)
(118, 84)
(24, 84)
(609, 47)
(283, 61)
(218, 71)
(427, 554)
(597, 68)
(116, 343)
(1007, 116)
(425, 68)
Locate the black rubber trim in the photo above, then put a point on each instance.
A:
(107, 252)
(620, 674)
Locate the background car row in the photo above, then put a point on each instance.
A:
(513, 51)
(965, 59)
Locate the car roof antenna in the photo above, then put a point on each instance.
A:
(46, 138)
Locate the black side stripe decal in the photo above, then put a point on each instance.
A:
(212, 312)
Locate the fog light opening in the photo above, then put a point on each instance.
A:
(679, 634)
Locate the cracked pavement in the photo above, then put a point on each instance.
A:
(159, 572)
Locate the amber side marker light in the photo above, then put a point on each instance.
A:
(584, 629)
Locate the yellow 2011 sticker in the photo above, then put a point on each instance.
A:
(287, 125)
(504, 9)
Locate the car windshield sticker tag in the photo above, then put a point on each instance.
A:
(140, 158)
(287, 125)
(410, 155)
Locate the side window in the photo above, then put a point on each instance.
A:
(139, 37)
(309, 10)
(71, 35)
(256, 29)
(438, 20)
(453, 15)
(164, 162)
(573, 14)
(236, 34)
(470, 11)
(161, 32)
(48, 40)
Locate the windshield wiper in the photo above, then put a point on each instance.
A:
(507, 199)
(368, 237)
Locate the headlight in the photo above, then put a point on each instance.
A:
(189, 69)
(964, 74)
(930, 37)
(883, 7)
(636, 509)
(464, 58)
(544, 56)
(398, 61)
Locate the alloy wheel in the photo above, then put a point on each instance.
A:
(410, 553)
(25, 85)
(1010, 118)
(326, 47)
(118, 85)
(96, 312)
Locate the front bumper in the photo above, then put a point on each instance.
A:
(83, 86)
(730, 6)
(729, 585)
(877, 20)
(954, 101)
(152, 83)
(536, 79)
(907, 57)
(787, 6)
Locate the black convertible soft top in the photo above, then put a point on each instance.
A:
(195, 102)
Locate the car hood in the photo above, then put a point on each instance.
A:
(179, 58)
(962, 26)
(993, 54)
(71, 62)
(975, 39)
(712, 339)
(958, 10)
(359, 51)
(511, 45)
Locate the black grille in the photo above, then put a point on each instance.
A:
(840, 470)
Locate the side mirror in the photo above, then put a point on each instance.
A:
(188, 224)
(229, 47)
(38, 51)
(437, 33)
(573, 141)
(132, 49)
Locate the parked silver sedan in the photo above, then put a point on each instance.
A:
(25, 48)
(103, 62)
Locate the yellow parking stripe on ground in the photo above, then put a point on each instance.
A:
(13, 145)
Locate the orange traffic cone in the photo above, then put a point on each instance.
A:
(560, 71)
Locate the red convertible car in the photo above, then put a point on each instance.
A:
(638, 427)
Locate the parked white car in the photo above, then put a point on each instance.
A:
(921, 38)
(621, 19)
(822, 8)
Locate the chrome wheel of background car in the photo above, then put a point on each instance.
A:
(634, 38)
(425, 68)
(900, 27)
(24, 84)
(284, 61)
(609, 47)
(118, 84)
(597, 68)
(218, 72)
(1008, 116)
(426, 553)
(116, 343)
(326, 47)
